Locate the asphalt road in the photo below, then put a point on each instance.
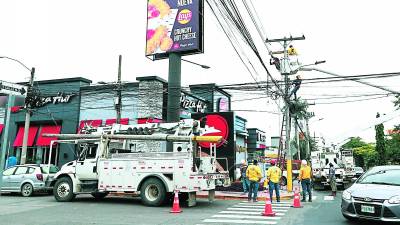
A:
(44, 210)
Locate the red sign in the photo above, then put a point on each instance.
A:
(219, 123)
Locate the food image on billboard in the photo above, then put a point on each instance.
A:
(174, 26)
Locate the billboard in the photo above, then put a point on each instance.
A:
(224, 123)
(174, 26)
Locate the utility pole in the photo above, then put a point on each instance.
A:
(308, 153)
(174, 91)
(285, 72)
(28, 107)
(4, 145)
(118, 100)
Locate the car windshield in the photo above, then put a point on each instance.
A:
(53, 169)
(384, 177)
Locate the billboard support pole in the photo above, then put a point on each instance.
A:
(4, 145)
(174, 91)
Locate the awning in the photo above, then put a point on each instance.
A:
(48, 129)
(124, 121)
(92, 123)
(1, 128)
(20, 136)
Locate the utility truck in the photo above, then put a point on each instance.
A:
(343, 162)
(133, 159)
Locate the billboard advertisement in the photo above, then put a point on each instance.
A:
(174, 26)
(224, 123)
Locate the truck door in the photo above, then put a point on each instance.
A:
(86, 166)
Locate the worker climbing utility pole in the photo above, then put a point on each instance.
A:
(285, 71)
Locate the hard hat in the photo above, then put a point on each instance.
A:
(303, 162)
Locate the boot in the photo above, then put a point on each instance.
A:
(310, 198)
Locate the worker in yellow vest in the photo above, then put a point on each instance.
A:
(274, 175)
(253, 173)
(305, 179)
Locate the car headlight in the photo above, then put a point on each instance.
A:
(346, 195)
(395, 199)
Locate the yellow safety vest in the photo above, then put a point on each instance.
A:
(253, 173)
(274, 174)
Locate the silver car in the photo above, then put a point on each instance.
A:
(27, 179)
(374, 196)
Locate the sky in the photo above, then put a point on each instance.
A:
(84, 38)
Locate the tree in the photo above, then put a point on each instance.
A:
(368, 154)
(393, 148)
(380, 142)
(354, 142)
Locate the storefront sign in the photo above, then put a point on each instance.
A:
(174, 26)
(59, 98)
(192, 105)
(223, 105)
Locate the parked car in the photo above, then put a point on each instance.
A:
(375, 196)
(359, 171)
(27, 179)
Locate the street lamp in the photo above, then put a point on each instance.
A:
(202, 66)
(27, 113)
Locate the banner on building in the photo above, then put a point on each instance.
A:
(174, 26)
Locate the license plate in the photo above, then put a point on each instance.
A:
(367, 209)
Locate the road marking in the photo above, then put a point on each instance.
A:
(238, 221)
(258, 210)
(329, 198)
(261, 207)
(314, 197)
(263, 203)
(248, 213)
(247, 217)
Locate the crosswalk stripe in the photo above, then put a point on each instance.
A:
(273, 204)
(261, 207)
(248, 213)
(247, 217)
(257, 210)
(263, 202)
(238, 221)
(314, 197)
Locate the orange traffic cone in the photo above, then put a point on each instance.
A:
(175, 205)
(296, 200)
(268, 207)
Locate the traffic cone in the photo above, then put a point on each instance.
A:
(268, 207)
(296, 200)
(175, 205)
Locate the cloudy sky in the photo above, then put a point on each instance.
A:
(84, 38)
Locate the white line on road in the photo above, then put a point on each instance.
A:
(238, 221)
(247, 217)
(261, 207)
(314, 197)
(273, 204)
(248, 213)
(329, 198)
(257, 210)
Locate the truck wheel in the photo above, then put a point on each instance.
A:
(153, 192)
(99, 195)
(63, 191)
(27, 190)
(283, 181)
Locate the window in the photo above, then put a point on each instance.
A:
(21, 170)
(9, 171)
(384, 177)
(45, 169)
(31, 170)
(87, 151)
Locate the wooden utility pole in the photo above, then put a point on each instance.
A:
(118, 102)
(28, 108)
